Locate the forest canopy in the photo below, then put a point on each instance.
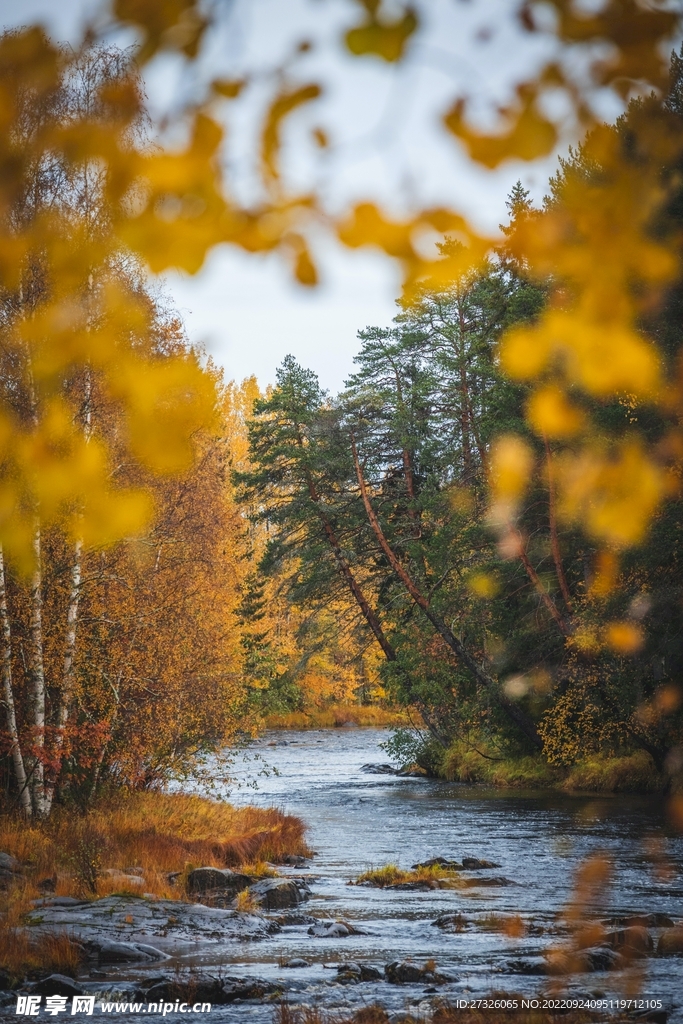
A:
(489, 512)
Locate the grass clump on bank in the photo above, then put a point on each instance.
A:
(462, 763)
(391, 874)
(634, 773)
(631, 773)
(337, 716)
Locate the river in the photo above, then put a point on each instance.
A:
(358, 820)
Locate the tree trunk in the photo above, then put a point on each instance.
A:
(37, 676)
(8, 697)
(68, 672)
(368, 612)
(514, 713)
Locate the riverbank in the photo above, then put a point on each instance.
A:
(632, 773)
(134, 844)
(339, 716)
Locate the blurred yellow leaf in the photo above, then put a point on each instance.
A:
(624, 637)
(529, 134)
(379, 35)
(550, 414)
(165, 24)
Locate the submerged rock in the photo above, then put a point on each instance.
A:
(488, 880)
(165, 925)
(451, 922)
(642, 920)
(584, 961)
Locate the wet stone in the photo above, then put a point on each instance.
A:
(670, 941)
(406, 972)
(277, 893)
(333, 930)
(57, 985)
(209, 880)
(634, 941)
(439, 862)
(474, 864)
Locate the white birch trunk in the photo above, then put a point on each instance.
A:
(8, 697)
(37, 674)
(68, 673)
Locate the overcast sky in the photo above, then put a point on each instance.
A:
(387, 145)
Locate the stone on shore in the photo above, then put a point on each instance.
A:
(207, 880)
(57, 985)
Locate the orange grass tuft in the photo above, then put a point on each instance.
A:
(155, 833)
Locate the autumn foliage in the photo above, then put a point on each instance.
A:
(138, 629)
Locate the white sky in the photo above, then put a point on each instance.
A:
(383, 122)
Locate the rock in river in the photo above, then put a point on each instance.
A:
(632, 942)
(474, 864)
(57, 985)
(405, 972)
(670, 941)
(213, 880)
(164, 925)
(278, 893)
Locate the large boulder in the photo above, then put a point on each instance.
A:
(10, 864)
(277, 893)
(204, 881)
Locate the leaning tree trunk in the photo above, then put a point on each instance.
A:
(481, 677)
(8, 697)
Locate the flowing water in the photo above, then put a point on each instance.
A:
(358, 820)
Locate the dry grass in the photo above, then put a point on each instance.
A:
(154, 833)
(337, 716)
(391, 874)
(22, 956)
